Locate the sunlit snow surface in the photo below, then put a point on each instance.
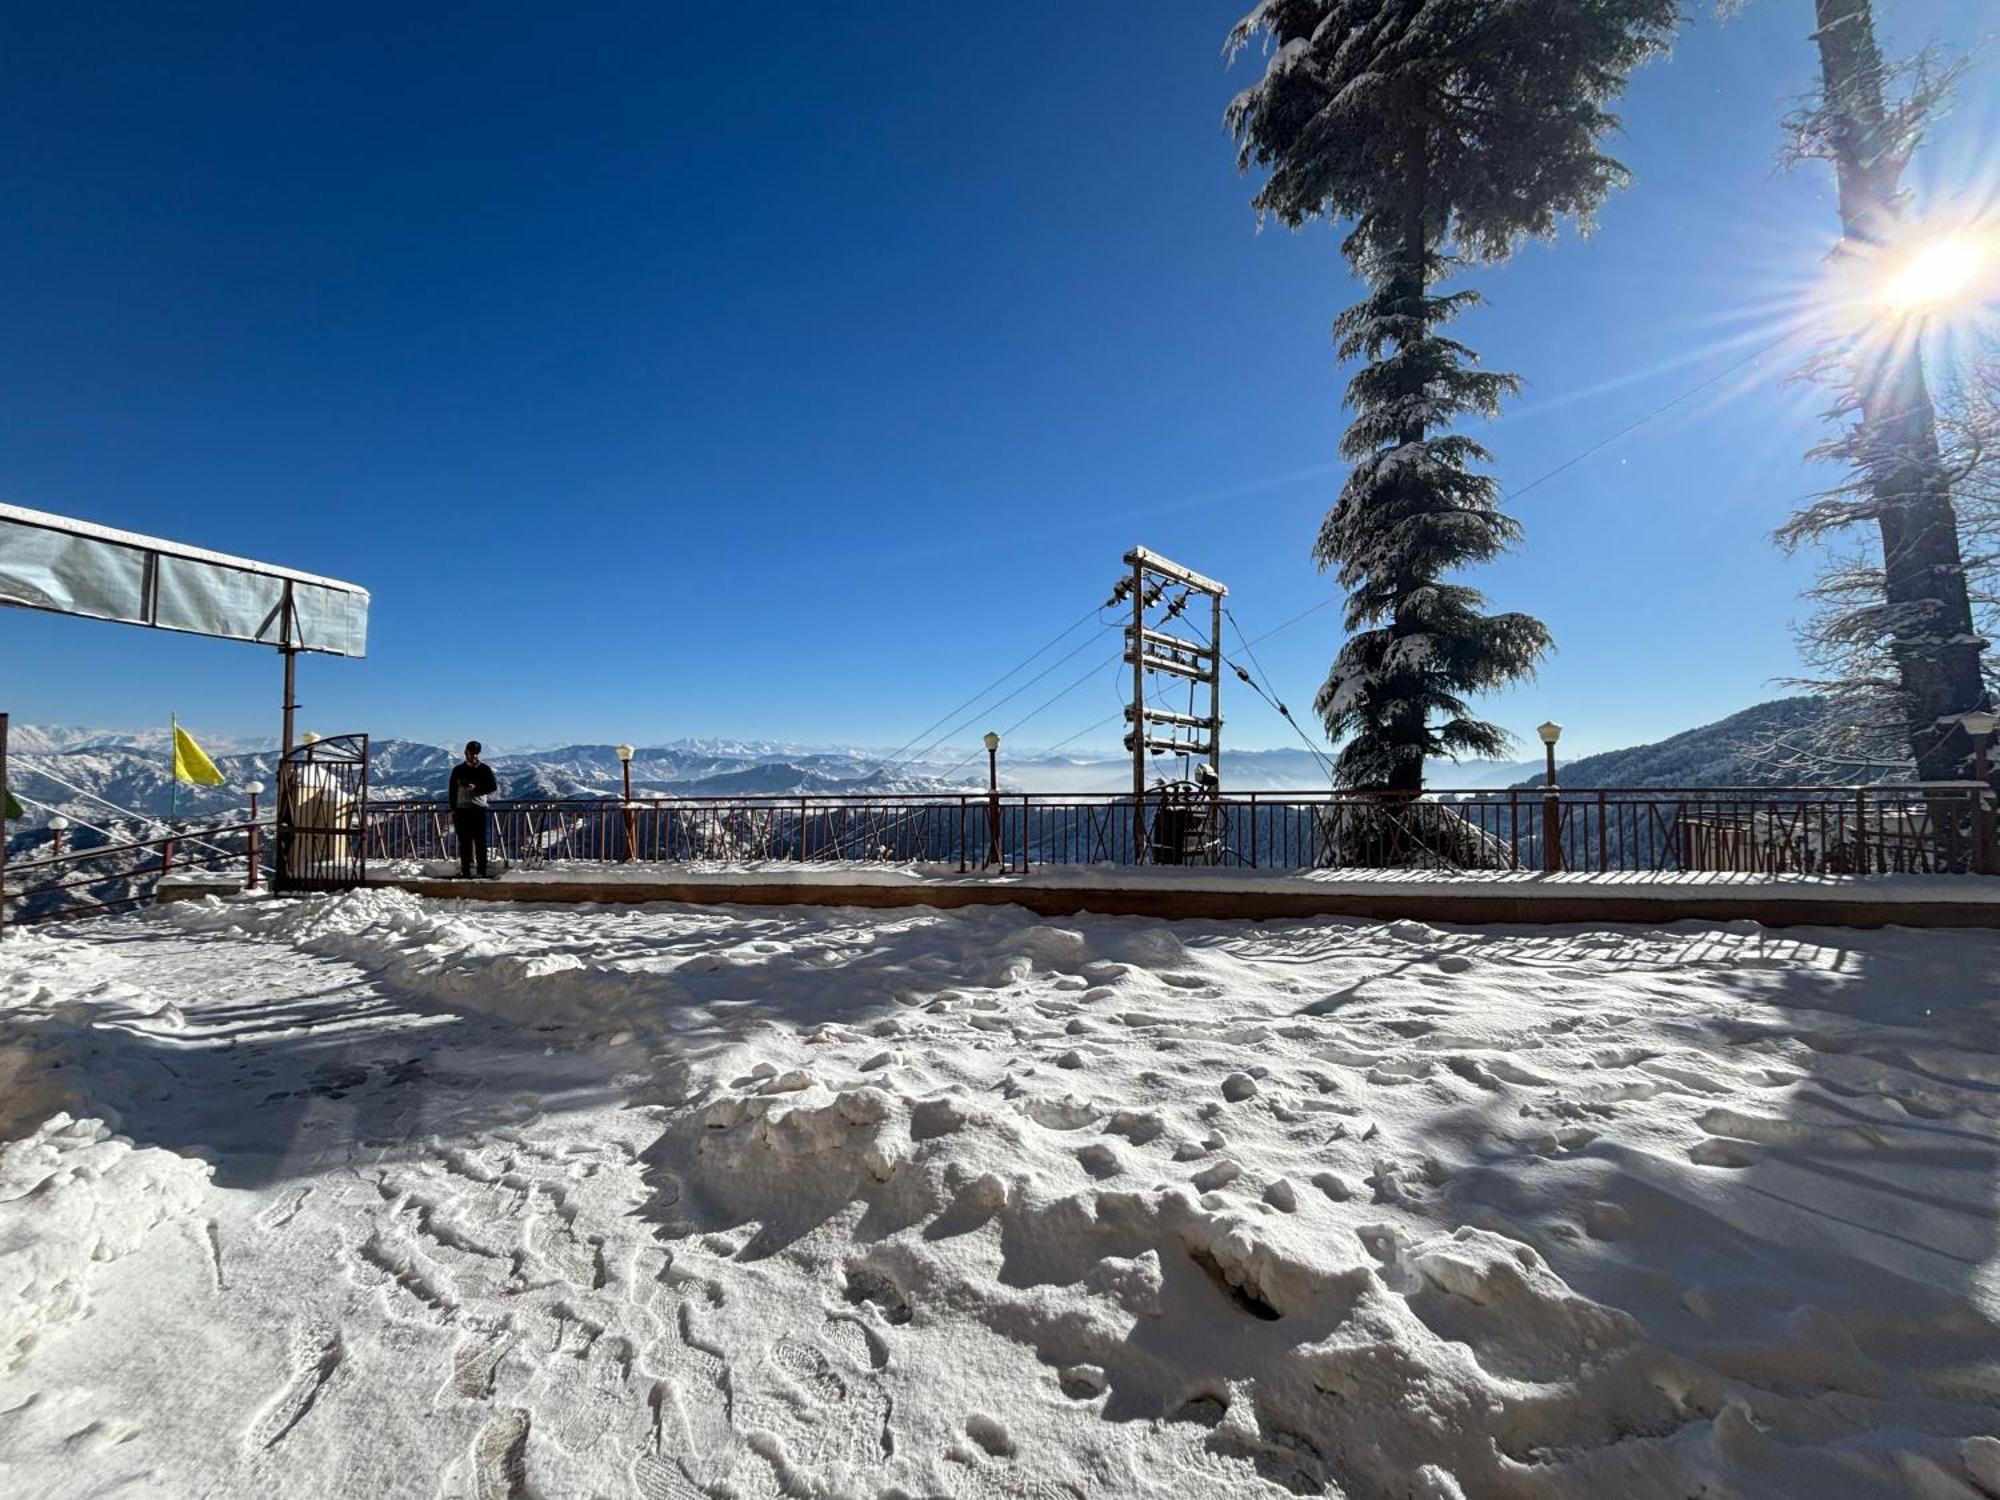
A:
(392, 1197)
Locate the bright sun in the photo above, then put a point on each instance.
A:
(1939, 273)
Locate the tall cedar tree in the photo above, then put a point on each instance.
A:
(1902, 641)
(1442, 133)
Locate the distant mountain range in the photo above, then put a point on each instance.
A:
(1731, 752)
(119, 782)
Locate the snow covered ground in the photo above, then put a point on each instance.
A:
(376, 1196)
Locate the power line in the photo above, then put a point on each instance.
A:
(146, 819)
(897, 754)
(963, 724)
(1271, 697)
(1087, 729)
(1047, 703)
(1250, 643)
(1302, 614)
(1569, 463)
(1660, 410)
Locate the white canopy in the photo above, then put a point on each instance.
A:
(75, 568)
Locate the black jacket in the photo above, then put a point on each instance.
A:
(468, 783)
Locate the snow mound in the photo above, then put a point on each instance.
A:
(1261, 1349)
(73, 1196)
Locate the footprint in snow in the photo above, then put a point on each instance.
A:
(476, 1362)
(316, 1354)
(835, 1412)
(500, 1457)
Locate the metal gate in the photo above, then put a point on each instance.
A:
(322, 803)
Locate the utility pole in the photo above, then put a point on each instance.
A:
(1158, 651)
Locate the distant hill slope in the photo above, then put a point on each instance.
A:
(1726, 753)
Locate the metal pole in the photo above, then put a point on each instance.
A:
(1551, 818)
(290, 653)
(1982, 808)
(1138, 713)
(993, 807)
(631, 817)
(1215, 690)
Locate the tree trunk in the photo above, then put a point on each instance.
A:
(1933, 642)
(1410, 281)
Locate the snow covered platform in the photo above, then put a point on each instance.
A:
(1186, 893)
(371, 1195)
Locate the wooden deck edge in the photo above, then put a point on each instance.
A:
(1471, 909)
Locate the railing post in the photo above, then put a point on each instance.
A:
(1024, 833)
(962, 866)
(256, 851)
(1253, 830)
(1861, 831)
(802, 830)
(1552, 860)
(166, 857)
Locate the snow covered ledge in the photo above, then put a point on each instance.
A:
(1179, 893)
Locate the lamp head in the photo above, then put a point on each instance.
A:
(625, 752)
(58, 824)
(992, 741)
(1979, 723)
(308, 738)
(254, 788)
(1550, 731)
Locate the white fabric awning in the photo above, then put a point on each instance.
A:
(76, 568)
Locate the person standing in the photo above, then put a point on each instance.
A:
(471, 784)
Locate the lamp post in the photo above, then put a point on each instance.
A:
(58, 826)
(992, 798)
(1551, 731)
(625, 753)
(1980, 724)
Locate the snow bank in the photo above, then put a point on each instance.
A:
(73, 1196)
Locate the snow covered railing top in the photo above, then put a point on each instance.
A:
(1897, 829)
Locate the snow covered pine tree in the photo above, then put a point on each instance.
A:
(1443, 132)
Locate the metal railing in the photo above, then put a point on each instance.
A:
(1904, 829)
(110, 877)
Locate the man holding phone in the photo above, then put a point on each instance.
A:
(471, 784)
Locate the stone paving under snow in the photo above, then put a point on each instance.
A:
(374, 1195)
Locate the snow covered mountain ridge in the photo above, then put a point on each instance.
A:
(109, 777)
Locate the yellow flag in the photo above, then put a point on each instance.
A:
(191, 762)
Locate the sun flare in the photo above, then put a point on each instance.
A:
(1941, 273)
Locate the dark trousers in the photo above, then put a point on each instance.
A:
(470, 825)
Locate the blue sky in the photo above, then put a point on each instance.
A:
(661, 376)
